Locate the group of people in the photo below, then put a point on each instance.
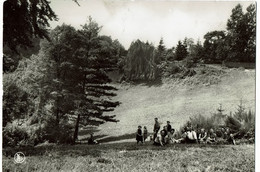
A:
(159, 137)
(166, 135)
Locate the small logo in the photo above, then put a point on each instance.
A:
(19, 157)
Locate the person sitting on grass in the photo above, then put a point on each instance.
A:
(170, 137)
(183, 136)
(158, 141)
(191, 135)
(164, 133)
(145, 133)
(91, 140)
(211, 137)
(230, 137)
(202, 136)
(139, 136)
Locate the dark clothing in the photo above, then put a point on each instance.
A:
(139, 137)
(156, 128)
(165, 133)
(145, 134)
(169, 127)
(202, 135)
(190, 141)
(91, 140)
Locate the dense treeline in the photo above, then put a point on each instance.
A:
(236, 44)
(55, 81)
(64, 86)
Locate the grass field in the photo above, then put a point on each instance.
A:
(132, 157)
(178, 100)
(171, 100)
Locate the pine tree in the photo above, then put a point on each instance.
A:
(241, 33)
(161, 50)
(24, 20)
(93, 60)
(181, 51)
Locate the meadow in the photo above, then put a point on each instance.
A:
(132, 157)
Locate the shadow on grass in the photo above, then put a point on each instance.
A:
(87, 130)
(156, 83)
(117, 138)
(96, 137)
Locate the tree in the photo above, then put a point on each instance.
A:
(93, 59)
(181, 51)
(214, 47)
(24, 20)
(15, 100)
(251, 32)
(241, 34)
(189, 43)
(141, 61)
(161, 52)
(197, 53)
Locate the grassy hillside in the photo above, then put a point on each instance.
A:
(132, 157)
(178, 99)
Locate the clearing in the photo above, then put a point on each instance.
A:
(177, 100)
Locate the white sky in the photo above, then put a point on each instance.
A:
(127, 20)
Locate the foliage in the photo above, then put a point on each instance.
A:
(16, 104)
(214, 45)
(241, 124)
(140, 63)
(236, 44)
(181, 51)
(242, 34)
(12, 136)
(200, 121)
(63, 134)
(67, 79)
(24, 20)
(161, 52)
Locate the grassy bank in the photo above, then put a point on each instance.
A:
(132, 157)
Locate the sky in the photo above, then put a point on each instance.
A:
(129, 20)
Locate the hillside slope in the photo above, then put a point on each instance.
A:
(176, 101)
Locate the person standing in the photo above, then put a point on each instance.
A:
(169, 127)
(156, 128)
(139, 136)
(145, 133)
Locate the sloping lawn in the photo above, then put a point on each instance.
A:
(132, 157)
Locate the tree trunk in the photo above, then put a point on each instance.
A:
(76, 129)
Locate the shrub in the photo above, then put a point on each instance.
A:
(200, 121)
(12, 136)
(173, 68)
(242, 123)
(62, 133)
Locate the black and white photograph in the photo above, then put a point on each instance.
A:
(129, 86)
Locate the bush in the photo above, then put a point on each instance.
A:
(233, 124)
(12, 136)
(200, 121)
(62, 133)
(241, 124)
